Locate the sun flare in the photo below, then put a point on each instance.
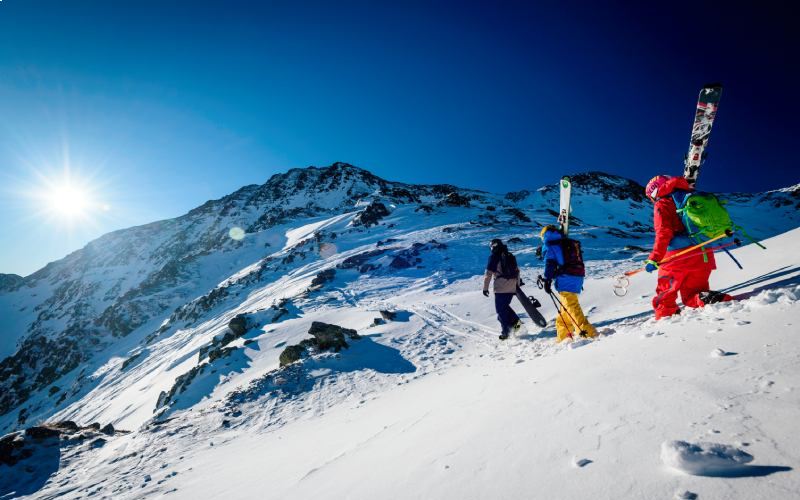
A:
(68, 201)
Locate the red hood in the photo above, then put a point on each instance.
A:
(673, 184)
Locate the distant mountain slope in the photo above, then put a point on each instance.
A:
(143, 302)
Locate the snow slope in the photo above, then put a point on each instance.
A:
(512, 420)
(431, 404)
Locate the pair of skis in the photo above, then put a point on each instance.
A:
(705, 112)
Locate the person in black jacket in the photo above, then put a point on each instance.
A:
(505, 286)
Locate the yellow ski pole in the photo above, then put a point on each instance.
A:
(682, 252)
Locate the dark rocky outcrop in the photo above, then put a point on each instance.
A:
(358, 261)
(424, 208)
(21, 445)
(455, 199)
(323, 277)
(326, 337)
(410, 257)
(9, 282)
(291, 354)
(371, 215)
(517, 214)
(331, 337)
(388, 315)
(517, 196)
(400, 262)
(238, 325)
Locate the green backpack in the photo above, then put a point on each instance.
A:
(704, 214)
(705, 217)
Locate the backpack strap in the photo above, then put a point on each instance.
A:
(681, 198)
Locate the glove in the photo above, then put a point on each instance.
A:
(486, 293)
(548, 286)
(650, 265)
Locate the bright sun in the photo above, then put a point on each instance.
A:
(68, 201)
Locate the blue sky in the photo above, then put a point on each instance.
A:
(160, 105)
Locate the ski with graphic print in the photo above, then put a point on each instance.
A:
(706, 111)
(565, 186)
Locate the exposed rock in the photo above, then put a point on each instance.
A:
(329, 336)
(130, 360)
(388, 315)
(517, 214)
(378, 322)
(323, 277)
(181, 383)
(370, 216)
(424, 208)
(400, 262)
(41, 432)
(9, 282)
(218, 353)
(238, 325)
(291, 354)
(517, 196)
(455, 199)
(108, 429)
(515, 240)
(358, 260)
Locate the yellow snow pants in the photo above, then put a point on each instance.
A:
(564, 321)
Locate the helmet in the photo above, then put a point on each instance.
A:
(654, 185)
(548, 227)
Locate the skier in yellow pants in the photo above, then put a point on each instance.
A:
(564, 264)
(570, 320)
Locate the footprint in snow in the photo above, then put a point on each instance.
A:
(685, 495)
(651, 334)
(580, 462)
(742, 322)
(721, 353)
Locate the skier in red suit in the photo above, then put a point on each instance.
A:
(688, 274)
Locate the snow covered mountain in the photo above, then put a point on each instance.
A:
(288, 309)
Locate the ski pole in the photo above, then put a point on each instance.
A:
(558, 309)
(582, 333)
(726, 234)
(623, 281)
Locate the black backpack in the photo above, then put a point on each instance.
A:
(573, 258)
(508, 263)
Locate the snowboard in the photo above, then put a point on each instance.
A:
(706, 111)
(531, 306)
(565, 187)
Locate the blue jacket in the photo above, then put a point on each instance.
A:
(553, 259)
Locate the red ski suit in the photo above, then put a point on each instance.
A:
(687, 274)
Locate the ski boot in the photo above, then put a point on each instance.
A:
(712, 297)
